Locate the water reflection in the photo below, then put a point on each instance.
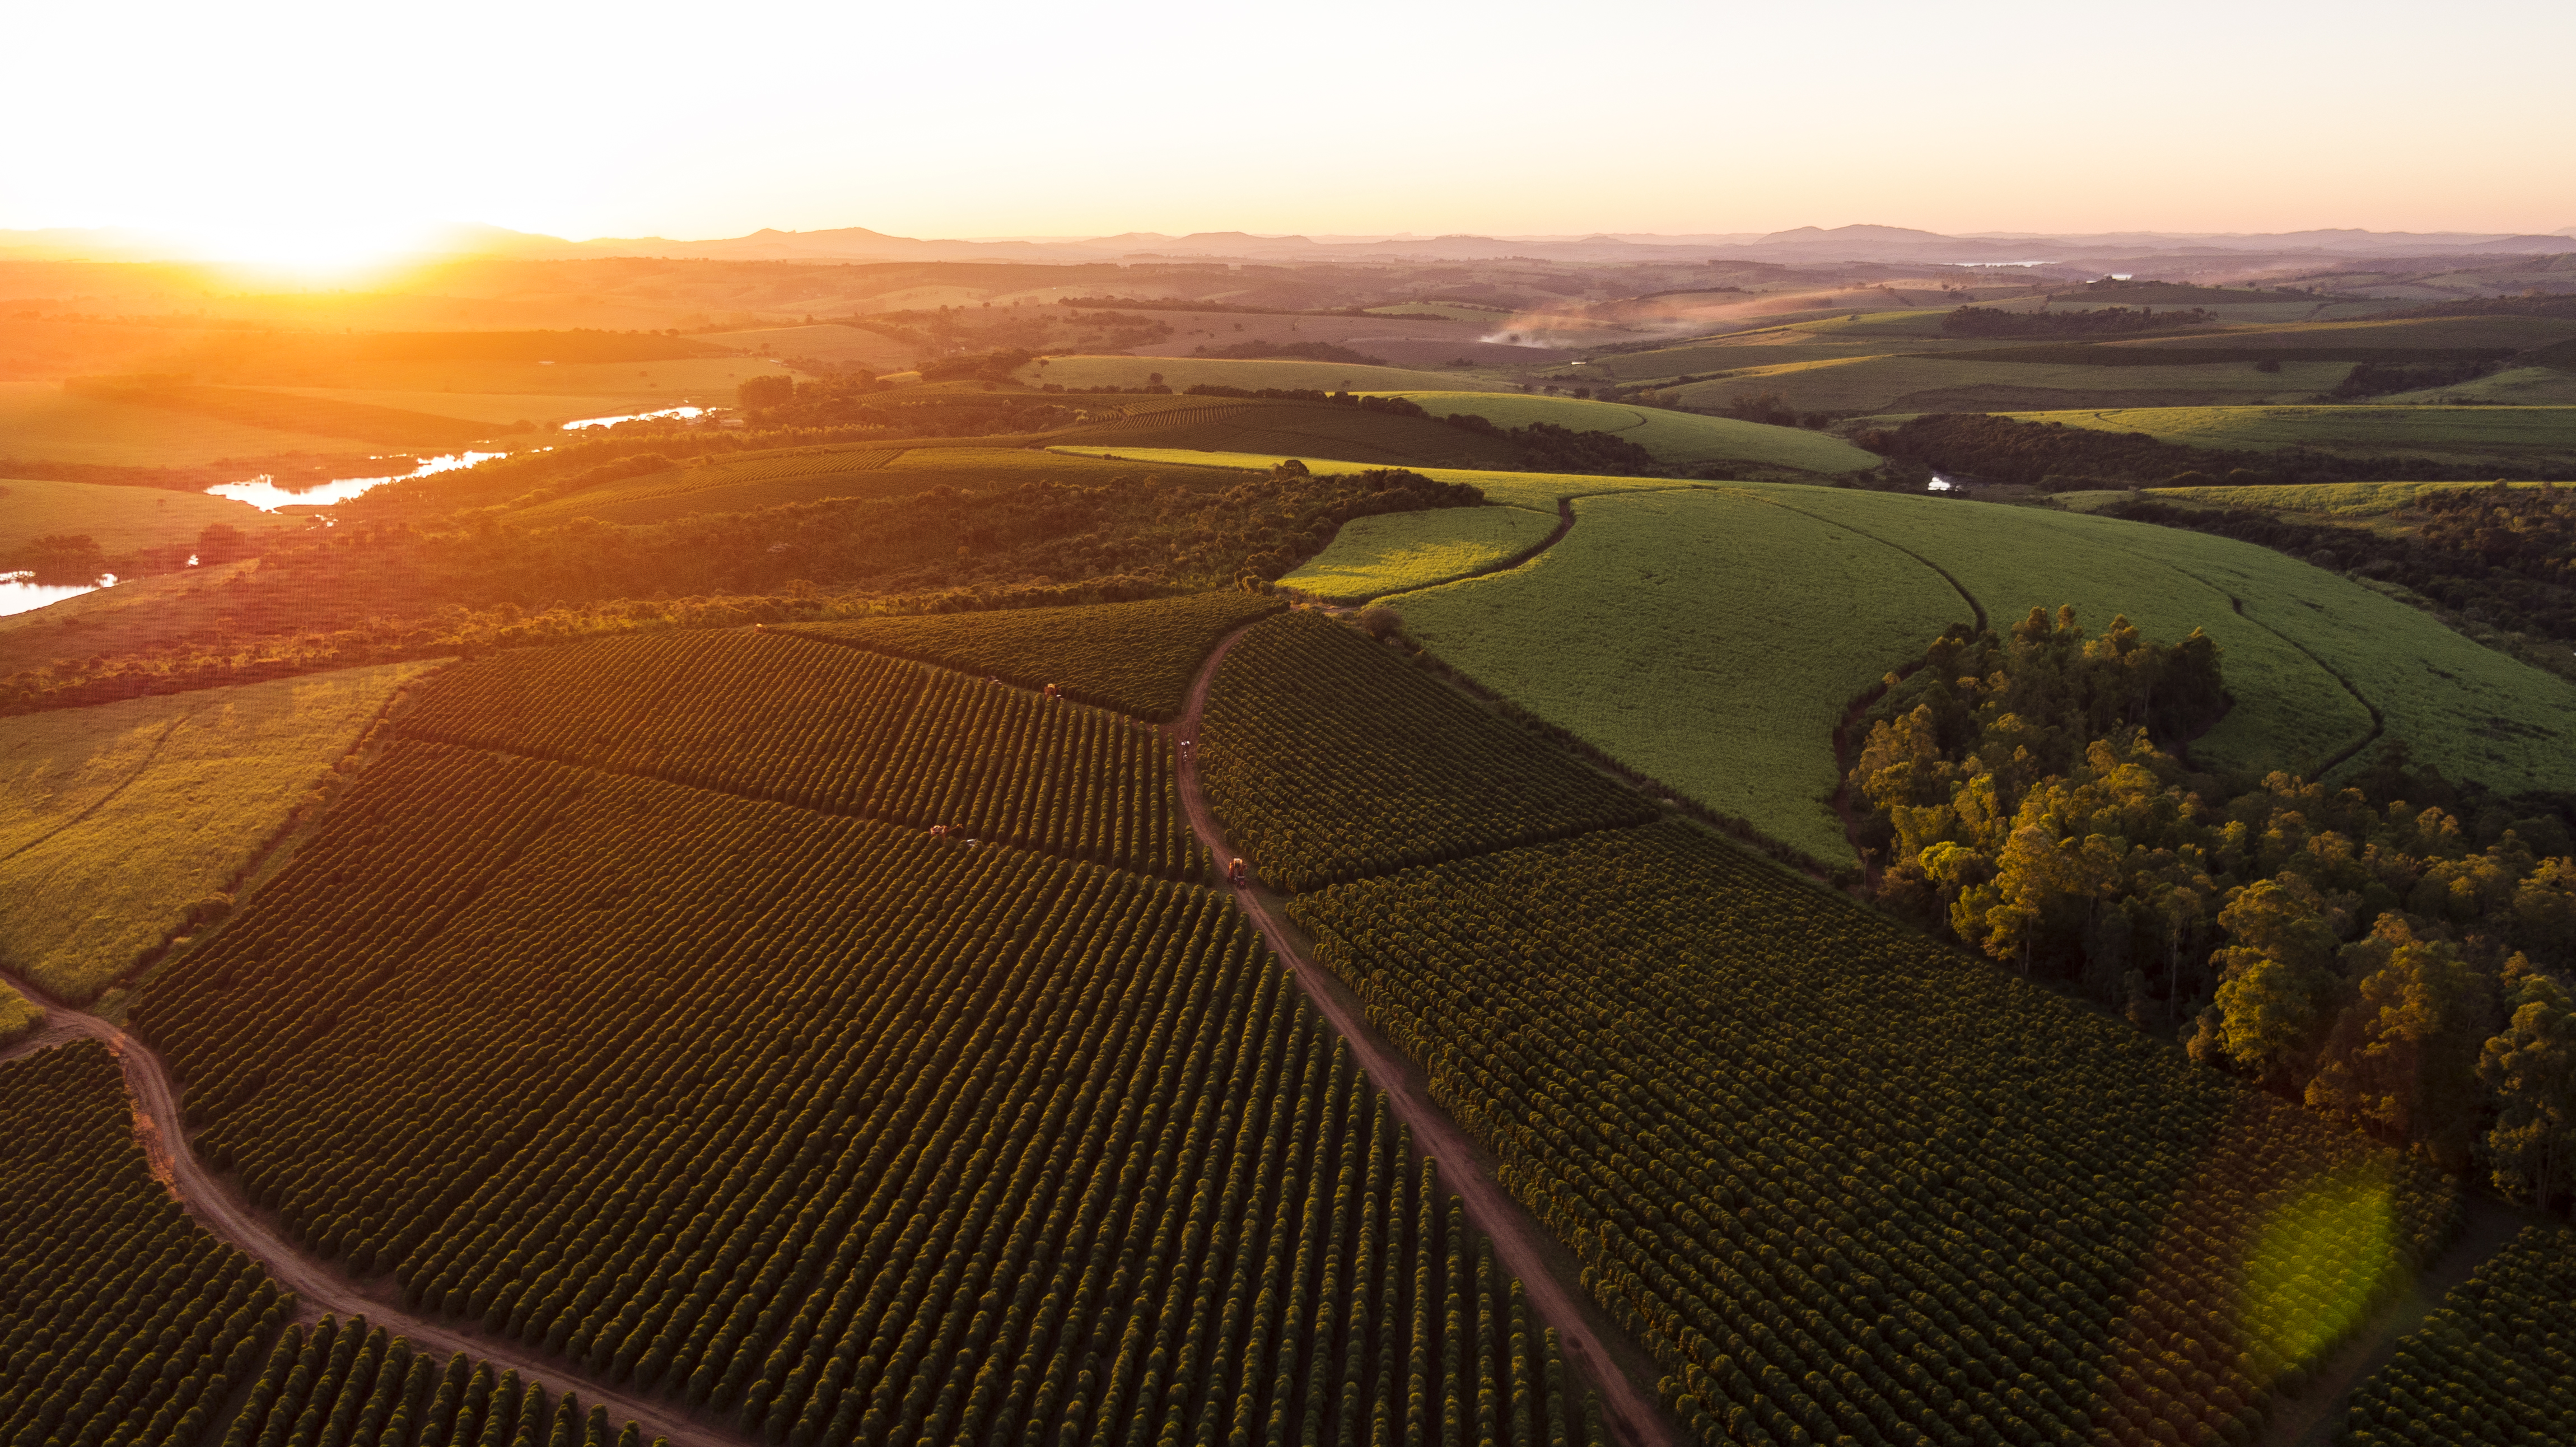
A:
(19, 593)
(263, 493)
(680, 412)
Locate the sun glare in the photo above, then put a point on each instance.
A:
(334, 249)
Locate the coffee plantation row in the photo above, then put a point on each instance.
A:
(834, 729)
(120, 1322)
(845, 1132)
(345, 1384)
(1849, 1185)
(1327, 758)
(1138, 658)
(2497, 1362)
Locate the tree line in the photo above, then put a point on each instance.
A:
(2394, 952)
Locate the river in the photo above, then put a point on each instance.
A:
(263, 493)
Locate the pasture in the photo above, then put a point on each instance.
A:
(39, 420)
(1540, 491)
(1325, 429)
(500, 409)
(1962, 382)
(1681, 437)
(116, 820)
(2408, 333)
(120, 518)
(2299, 643)
(2488, 430)
(1371, 557)
(824, 342)
(1183, 373)
(2338, 499)
(1708, 638)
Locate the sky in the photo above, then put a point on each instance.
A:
(271, 128)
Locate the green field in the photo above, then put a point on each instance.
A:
(120, 518)
(546, 409)
(1181, 373)
(2410, 333)
(19, 1017)
(1538, 490)
(2512, 387)
(2340, 499)
(1962, 382)
(39, 420)
(1394, 552)
(2493, 430)
(1710, 639)
(2308, 654)
(1312, 429)
(1672, 436)
(115, 819)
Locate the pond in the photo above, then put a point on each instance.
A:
(18, 593)
(264, 494)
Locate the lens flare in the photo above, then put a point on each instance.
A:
(2322, 1262)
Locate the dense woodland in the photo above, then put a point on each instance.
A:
(2379, 949)
(376, 591)
(2056, 457)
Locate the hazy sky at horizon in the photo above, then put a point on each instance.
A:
(267, 126)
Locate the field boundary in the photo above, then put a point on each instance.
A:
(122, 785)
(1549, 1273)
(2378, 724)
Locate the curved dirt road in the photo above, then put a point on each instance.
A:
(319, 1286)
(1546, 1270)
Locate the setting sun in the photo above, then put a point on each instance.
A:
(1676, 724)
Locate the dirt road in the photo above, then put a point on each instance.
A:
(1546, 1270)
(319, 1286)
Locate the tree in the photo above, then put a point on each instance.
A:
(2404, 1056)
(756, 393)
(222, 543)
(2531, 1067)
(2277, 982)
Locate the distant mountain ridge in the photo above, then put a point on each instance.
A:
(1804, 244)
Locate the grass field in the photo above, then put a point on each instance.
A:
(2288, 631)
(2340, 499)
(19, 1017)
(1305, 429)
(40, 421)
(2428, 333)
(824, 341)
(120, 518)
(1716, 582)
(498, 408)
(1394, 552)
(115, 819)
(1181, 373)
(1962, 382)
(136, 613)
(1540, 491)
(2267, 429)
(2512, 387)
(1708, 638)
(1672, 436)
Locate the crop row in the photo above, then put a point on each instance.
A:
(848, 1132)
(1327, 758)
(121, 1323)
(832, 729)
(2497, 1362)
(1848, 1185)
(346, 1384)
(1138, 658)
